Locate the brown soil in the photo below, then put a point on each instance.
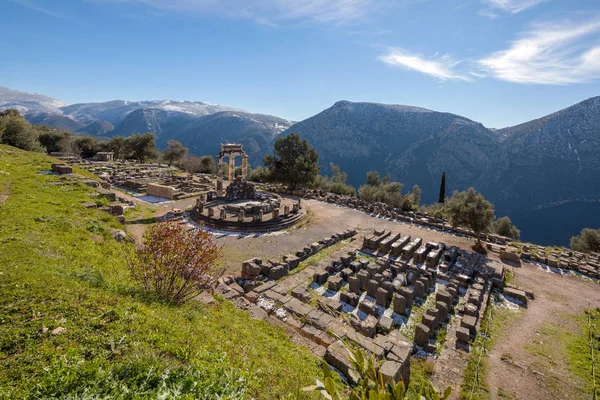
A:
(515, 372)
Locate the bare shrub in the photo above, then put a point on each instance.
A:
(174, 263)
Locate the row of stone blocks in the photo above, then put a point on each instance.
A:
(445, 300)
(255, 269)
(323, 329)
(329, 334)
(382, 209)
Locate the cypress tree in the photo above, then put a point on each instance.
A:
(443, 188)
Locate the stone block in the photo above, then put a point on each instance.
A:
(429, 321)
(444, 296)
(335, 283)
(391, 372)
(346, 273)
(372, 269)
(442, 311)
(516, 294)
(368, 308)
(407, 293)
(399, 304)
(330, 305)
(301, 293)
(320, 277)
(355, 266)
(372, 287)
(349, 298)
(422, 333)
(354, 284)
(470, 323)
(297, 308)
(390, 289)
(277, 272)
(382, 297)
(385, 325)
(419, 289)
(363, 277)
(471, 310)
(463, 335)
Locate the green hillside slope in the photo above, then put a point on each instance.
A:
(60, 267)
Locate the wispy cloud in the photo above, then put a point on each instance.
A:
(442, 67)
(35, 7)
(512, 6)
(270, 12)
(550, 54)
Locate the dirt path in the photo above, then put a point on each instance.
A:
(323, 220)
(528, 362)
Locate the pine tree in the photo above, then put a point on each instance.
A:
(443, 188)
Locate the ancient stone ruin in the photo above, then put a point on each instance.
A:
(230, 151)
(389, 294)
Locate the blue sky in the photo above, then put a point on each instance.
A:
(499, 62)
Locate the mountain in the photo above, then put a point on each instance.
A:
(548, 173)
(185, 120)
(97, 128)
(29, 103)
(542, 173)
(255, 131)
(414, 145)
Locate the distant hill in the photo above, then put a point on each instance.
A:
(184, 120)
(542, 173)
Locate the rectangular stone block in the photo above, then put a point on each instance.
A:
(363, 277)
(422, 333)
(320, 277)
(407, 293)
(368, 308)
(470, 323)
(382, 297)
(399, 304)
(372, 287)
(335, 283)
(463, 335)
(349, 298)
(354, 284)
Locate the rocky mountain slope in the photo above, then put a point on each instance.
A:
(184, 120)
(543, 173)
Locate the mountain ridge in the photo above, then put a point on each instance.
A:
(537, 172)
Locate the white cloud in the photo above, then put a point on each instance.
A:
(270, 12)
(512, 6)
(550, 54)
(35, 7)
(440, 67)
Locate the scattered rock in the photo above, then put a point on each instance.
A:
(42, 332)
(58, 331)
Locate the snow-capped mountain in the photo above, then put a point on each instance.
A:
(187, 121)
(29, 103)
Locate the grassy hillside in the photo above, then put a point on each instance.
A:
(60, 267)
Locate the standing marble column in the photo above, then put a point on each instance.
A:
(244, 167)
(231, 167)
(219, 177)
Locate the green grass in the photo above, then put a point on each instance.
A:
(421, 371)
(559, 347)
(320, 256)
(509, 276)
(494, 320)
(59, 267)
